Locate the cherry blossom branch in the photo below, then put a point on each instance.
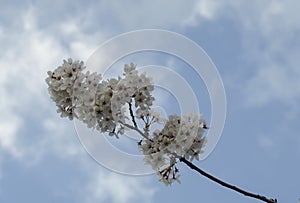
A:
(173, 142)
(256, 196)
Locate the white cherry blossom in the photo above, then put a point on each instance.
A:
(102, 105)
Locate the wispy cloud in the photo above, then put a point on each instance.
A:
(265, 142)
(118, 189)
(270, 38)
(30, 128)
(9, 128)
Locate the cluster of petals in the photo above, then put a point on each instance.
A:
(100, 104)
(60, 85)
(180, 137)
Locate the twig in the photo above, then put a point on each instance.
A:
(136, 129)
(131, 114)
(256, 196)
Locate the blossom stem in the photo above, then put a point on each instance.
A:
(136, 129)
(131, 114)
(232, 187)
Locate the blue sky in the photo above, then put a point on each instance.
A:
(255, 46)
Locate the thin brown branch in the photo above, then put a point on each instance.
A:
(131, 114)
(256, 196)
(136, 129)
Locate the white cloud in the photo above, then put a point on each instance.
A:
(270, 39)
(29, 128)
(118, 189)
(269, 145)
(9, 128)
(265, 142)
(203, 10)
(60, 138)
(109, 16)
(274, 52)
(22, 79)
(272, 84)
(145, 14)
(30, 53)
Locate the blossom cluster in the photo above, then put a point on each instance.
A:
(99, 104)
(60, 85)
(103, 104)
(180, 137)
